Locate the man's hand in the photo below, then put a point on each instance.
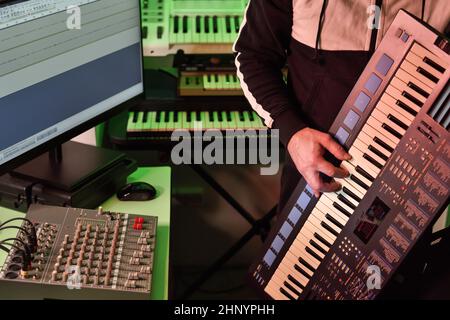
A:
(307, 148)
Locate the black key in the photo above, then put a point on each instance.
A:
(286, 294)
(412, 98)
(251, 116)
(398, 122)
(135, 117)
(383, 144)
(311, 252)
(198, 24)
(228, 114)
(228, 24)
(318, 247)
(306, 264)
(433, 64)
(145, 117)
(329, 229)
(158, 116)
(341, 209)
(176, 20)
(372, 161)
(188, 117)
(241, 116)
(198, 116)
(351, 194)
(175, 117)
(211, 116)
(391, 130)
(378, 153)
(215, 26)
(334, 221)
(418, 90)
(159, 32)
(185, 24)
(167, 116)
(298, 284)
(288, 285)
(236, 24)
(359, 182)
(220, 117)
(346, 201)
(364, 173)
(207, 24)
(301, 271)
(321, 239)
(428, 75)
(145, 33)
(405, 107)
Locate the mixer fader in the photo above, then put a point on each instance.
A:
(83, 254)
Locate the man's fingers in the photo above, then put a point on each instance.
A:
(332, 186)
(318, 185)
(334, 148)
(330, 170)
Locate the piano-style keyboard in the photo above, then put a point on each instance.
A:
(196, 27)
(395, 125)
(150, 123)
(210, 84)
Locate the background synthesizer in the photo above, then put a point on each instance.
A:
(395, 125)
(194, 26)
(114, 254)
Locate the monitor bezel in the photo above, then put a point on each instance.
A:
(10, 165)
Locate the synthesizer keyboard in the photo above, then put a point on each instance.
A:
(196, 27)
(395, 125)
(209, 84)
(80, 254)
(163, 123)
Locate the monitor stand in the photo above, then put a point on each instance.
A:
(72, 166)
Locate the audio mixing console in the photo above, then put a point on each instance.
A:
(80, 254)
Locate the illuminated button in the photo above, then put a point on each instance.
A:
(351, 119)
(373, 83)
(362, 101)
(342, 135)
(384, 64)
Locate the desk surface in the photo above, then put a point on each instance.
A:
(160, 178)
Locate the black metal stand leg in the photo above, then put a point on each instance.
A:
(223, 193)
(259, 227)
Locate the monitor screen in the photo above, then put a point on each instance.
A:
(63, 63)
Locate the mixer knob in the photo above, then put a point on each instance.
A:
(146, 248)
(54, 274)
(146, 269)
(65, 276)
(138, 254)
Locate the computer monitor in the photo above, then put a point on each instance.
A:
(65, 66)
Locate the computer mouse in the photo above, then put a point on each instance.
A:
(137, 191)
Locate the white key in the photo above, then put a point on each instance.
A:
(398, 112)
(321, 230)
(342, 217)
(372, 133)
(301, 252)
(365, 149)
(402, 86)
(406, 77)
(358, 159)
(397, 95)
(384, 119)
(274, 292)
(353, 171)
(412, 70)
(335, 213)
(422, 52)
(417, 61)
(378, 126)
(308, 227)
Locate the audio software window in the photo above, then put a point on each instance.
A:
(55, 74)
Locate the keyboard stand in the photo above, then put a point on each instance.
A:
(259, 228)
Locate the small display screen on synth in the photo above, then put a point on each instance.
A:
(371, 219)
